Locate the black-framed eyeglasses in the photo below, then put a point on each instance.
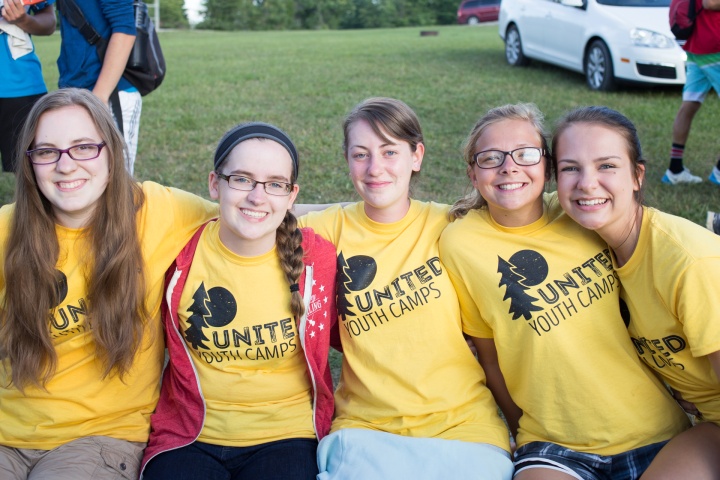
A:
(524, 156)
(81, 152)
(246, 184)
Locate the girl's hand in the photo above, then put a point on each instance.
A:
(689, 407)
(14, 11)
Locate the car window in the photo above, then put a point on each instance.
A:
(635, 3)
(473, 4)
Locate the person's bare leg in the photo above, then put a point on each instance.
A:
(683, 121)
(694, 454)
(542, 474)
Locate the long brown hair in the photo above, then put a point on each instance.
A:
(522, 111)
(289, 248)
(114, 273)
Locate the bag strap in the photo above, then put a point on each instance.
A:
(70, 10)
(116, 108)
(73, 14)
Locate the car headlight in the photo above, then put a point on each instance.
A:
(647, 38)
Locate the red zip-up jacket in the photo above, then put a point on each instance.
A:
(180, 413)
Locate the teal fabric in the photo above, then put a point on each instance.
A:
(355, 454)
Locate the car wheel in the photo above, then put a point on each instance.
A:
(598, 67)
(513, 48)
(473, 20)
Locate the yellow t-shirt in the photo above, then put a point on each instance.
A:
(547, 294)
(77, 401)
(670, 286)
(406, 368)
(235, 317)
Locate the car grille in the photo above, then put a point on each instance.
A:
(657, 71)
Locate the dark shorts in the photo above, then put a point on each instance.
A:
(281, 460)
(586, 466)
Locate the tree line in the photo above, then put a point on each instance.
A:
(325, 14)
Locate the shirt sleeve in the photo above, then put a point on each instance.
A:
(119, 15)
(698, 305)
(472, 321)
(325, 223)
(174, 214)
(6, 213)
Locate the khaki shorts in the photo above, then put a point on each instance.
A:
(96, 458)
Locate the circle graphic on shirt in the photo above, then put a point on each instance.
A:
(524, 269)
(210, 308)
(61, 287)
(531, 265)
(354, 274)
(222, 307)
(361, 271)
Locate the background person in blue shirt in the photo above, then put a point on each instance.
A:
(80, 66)
(21, 80)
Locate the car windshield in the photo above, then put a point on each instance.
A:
(635, 3)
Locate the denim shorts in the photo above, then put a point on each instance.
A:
(586, 466)
(700, 79)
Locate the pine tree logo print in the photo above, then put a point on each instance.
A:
(525, 269)
(355, 274)
(212, 308)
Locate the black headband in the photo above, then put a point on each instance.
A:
(246, 131)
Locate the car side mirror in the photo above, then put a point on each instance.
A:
(573, 3)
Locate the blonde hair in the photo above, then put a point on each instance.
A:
(114, 274)
(527, 112)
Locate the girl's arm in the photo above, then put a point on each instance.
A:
(487, 354)
(300, 209)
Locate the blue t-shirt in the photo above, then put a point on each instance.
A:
(78, 63)
(21, 77)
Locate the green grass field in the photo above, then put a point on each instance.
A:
(306, 81)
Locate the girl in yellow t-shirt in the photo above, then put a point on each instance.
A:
(412, 400)
(668, 267)
(84, 251)
(247, 391)
(539, 297)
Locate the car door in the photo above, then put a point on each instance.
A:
(566, 27)
(489, 10)
(532, 24)
(554, 32)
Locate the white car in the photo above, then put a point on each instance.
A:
(607, 40)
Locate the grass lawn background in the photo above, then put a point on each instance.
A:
(306, 81)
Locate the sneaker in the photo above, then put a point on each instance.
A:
(715, 176)
(683, 177)
(713, 222)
